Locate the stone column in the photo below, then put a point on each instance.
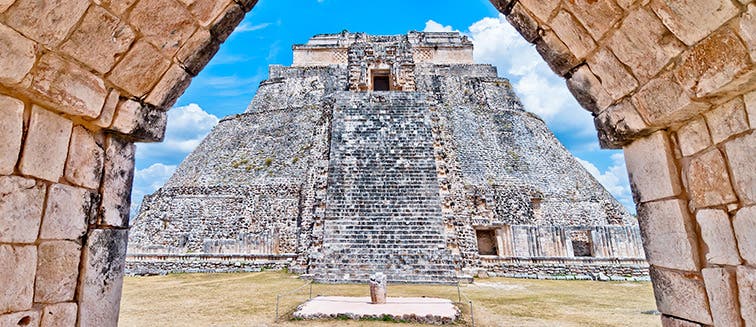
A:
(378, 288)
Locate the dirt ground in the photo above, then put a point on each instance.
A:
(249, 299)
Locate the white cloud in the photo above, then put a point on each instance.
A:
(432, 26)
(614, 179)
(247, 27)
(147, 181)
(187, 126)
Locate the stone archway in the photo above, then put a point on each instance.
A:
(81, 81)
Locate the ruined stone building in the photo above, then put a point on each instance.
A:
(385, 153)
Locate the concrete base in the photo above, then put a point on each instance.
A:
(414, 309)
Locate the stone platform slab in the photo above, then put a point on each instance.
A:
(414, 309)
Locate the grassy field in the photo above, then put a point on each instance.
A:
(249, 300)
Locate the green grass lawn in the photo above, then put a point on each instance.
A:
(249, 300)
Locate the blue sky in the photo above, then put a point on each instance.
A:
(230, 80)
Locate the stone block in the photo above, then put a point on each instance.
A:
(643, 43)
(542, 9)
(718, 237)
(100, 40)
(47, 22)
(651, 168)
(750, 103)
(744, 224)
(59, 315)
(669, 236)
(69, 209)
(588, 91)
(5, 4)
(742, 166)
(618, 125)
(681, 294)
(597, 16)
(11, 131)
(118, 6)
(116, 184)
(572, 34)
(719, 63)
(693, 21)
(140, 69)
(17, 57)
(746, 29)
(17, 277)
(57, 271)
(693, 137)
(225, 24)
(21, 202)
(559, 58)
(143, 123)
(46, 146)
(721, 288)
(663, 101)
(153, 24)
(708, 180)
(727, 119)
(669, 321)
(25, 318)
(198, 51)
(617, 81)
(170, 87)
(523, 22)
(85, 159)
(747, 294)
(205, 10)
(69, 87)
(108, 110)
(103, 262)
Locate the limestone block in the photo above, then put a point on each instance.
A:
(681, 294)
(572, 34)
(717, 64)
(617, 81)
(153, 24)
(85, 158)
(708, 180)
(669, 236)
(651, 168)
(747, 294)
(744, 224)
(693, 21)
(17, 277)
(693, 137)
(69, 87)
(116, 184)
(556, 54)
(542, 9)
(747, 29)
(68, 211)
(247, 5)
(100, 40)
(643, 43)
(25, 318)
(205, 10)
(225, 24)
(742, 166)
(46, 146)
(727, 120)
(108, 110)
(5, 4)
(523, 22)
(588, 91)
(597, 16)
(669, 321)
(47, 22)
(618, 124)
(57, 271)
(198, 51)
(721, 287)
(144, 123)
(750, 103)
(170, 87)
(17, 57)
(663, 101)
(140, 69)
(118, 6)
(11, 131)
(103, 262)
(21, 202)
(717, 234)
(59, 315)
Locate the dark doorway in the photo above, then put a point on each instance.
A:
(381, 83)
(581, 243)
(486, 241)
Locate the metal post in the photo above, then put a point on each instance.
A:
(472, 316)
(278, 297)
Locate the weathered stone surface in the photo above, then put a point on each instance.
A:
(100, 40)
(542, 9)
(588, 91)
(153, 24)
(46, 145)
(85, 159)
(69, 87)
(102, 277)
(618, 125)
(140, 69)
(744, 224)
(747, 29)
(572, 34)
(205, 10)
(692, 21)
(747, 294)
(669, 235)
(523, 22)
(555, 53)
(25, 318)
(727, 120)
(708, 180)
(681, 294)
(116, 185)
(17, 57)
(170, 87)
(47, 22)
(118, 6)
(597, 16)
(718, 237)
(651, 168)
(21, 202)
(617, 81)
(224, 25)
(57, 271)
(11, 130)
(693, 137)
(643, 43)
(69, 209)
(663, 101)
(740, 157)
(198, 51)
(5, 4)
(59, 315)
(669, 321)
(108, 110)
(721, 288)
(17, 277)
(141, 122)
(750, 104)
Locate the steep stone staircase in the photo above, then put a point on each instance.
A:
(383, 210)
